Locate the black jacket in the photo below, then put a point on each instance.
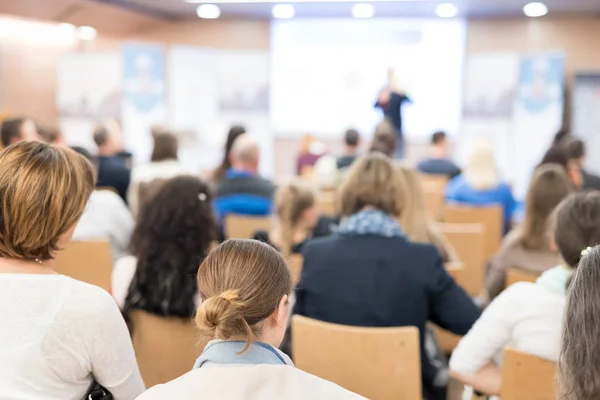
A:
(376, 281)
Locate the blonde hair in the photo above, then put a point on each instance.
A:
(241, 283)
(372, 181)
(43, 192)
(291, 201)
(480, 170)
(415, 220)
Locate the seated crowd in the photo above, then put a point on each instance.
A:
(382, 260)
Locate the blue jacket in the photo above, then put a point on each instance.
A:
(375, 281)
(461, 191)
(241, 192)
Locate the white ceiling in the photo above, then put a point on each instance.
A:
(179, 9)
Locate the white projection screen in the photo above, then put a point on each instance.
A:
(326, 74)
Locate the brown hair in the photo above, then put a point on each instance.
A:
(291, 201)
(234, 132)
(43, 192)
(165, 147)
(384, 139)
(579, 359)
(372, 181)
(577, 225)
(241, 283)
(550, 185)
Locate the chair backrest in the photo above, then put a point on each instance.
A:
(433, 189)
(244, 226)
(468, 242)
(514, 275)
(490, 217)
(86, 261)
(165, 347)
(527, 377)
(295, 262)
(327, 203)
(377, 363)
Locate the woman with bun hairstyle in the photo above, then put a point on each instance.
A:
(245, 287)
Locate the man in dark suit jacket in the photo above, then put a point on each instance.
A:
(112, 168)
(576, 151)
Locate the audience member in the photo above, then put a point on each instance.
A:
(384, 140)
(329, 170)
(438, 162)
(529, 316)
(116, 132)
(172, 235)
(560, 156)
(105, 217)
(480, 184)
(50, 134)
(577, 152)
(414, 221)
(234, 132)
(163, 165)
(242, 191)
(245, 287)
(579, 360)
(528, 246)
(297, 219)
(311, 150)
(351, 141)
(369, 274)
(58, 335)
(20, 129)
(112, 168)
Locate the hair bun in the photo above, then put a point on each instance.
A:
(222, 316)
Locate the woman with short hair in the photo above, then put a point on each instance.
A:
(58, 335)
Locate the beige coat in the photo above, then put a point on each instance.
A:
(248, 382)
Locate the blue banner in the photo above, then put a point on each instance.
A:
(144, 69)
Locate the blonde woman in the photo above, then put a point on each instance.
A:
(415, 221)
(480, 183)
(296, 219)
(368, 273)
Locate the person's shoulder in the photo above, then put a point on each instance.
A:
(320, 387)
(87, 299)
(520, 291)
(106, 197)
(319, 243)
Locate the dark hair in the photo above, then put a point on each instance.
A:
(579, 359)
(165, 147)
(438, 137)
(11, 129)
(352, 138)
(100, 135)
(84, 152)
(575, 149)
(556, 155)
(234, 132)
(384, 139)
(173, 234)
(577, 225)
(50, 133)
(560, 137)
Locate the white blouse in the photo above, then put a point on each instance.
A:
(57, 335)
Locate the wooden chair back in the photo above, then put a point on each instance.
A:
(468, 242)
(244, 226)
(490, 217)
(527, 377)
(165, 347)
(377, 363)
(514, 275)
(295, 262)
(448, 341)
(433, 189)
(87, 261)
(327, 203)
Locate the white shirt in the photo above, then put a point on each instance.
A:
(146, 173)
(56, 335)
(526, 316)
(106, 217)
(248, 382)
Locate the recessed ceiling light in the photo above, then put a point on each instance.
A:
(283, 11)
(208, 11)
(446, 10)
(86, 33)
(362, 10)
(534, 10)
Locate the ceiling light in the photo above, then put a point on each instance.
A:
(86, 33)
(67, 28)
(208, 11)
(362, 10)
(534, 10)
(283, 11)
(446, 10)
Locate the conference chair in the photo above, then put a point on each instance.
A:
(377, 363)
(295, 262)
(447, 341)
(86, 261)
(244, 226)
(433, 189)
(165, 347)
(490, 217)
(468, 242)
(514, 275)
(327, 203)
(527, 377)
